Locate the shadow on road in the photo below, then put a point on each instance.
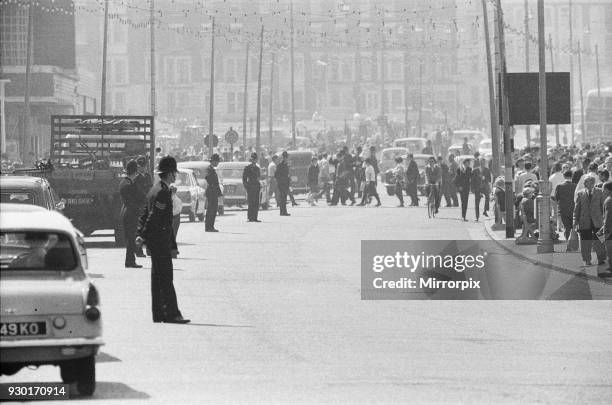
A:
(213, 325)
(116, 390)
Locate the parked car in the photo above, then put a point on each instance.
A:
(299, 161)
(199, 172)
(191, 195)
(421, 161)
(413, 144)
(30, 190)
(49, 308)
(388, 155)
(233, 191)
(485, 148)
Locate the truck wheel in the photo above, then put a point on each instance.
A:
(119, 236)
(86, 380)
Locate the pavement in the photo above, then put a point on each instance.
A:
(277, 317)
(569, 264)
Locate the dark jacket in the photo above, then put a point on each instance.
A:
(564, 196)
(282, 175)
(463, 179)
(607, 222)
(577, 175)
(412, 173)
(476, 180)
(131, 197)
(155, 224)
(250, 177)
(213, 189)
(313, 175)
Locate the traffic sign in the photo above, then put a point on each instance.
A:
(231, 136)
(215, 141)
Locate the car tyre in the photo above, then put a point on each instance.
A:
(86, 380)
(68, 371)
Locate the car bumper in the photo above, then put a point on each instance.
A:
(234, 199)
(48, 351)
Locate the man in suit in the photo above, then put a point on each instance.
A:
(452, 173)
(155, 229)
(463, 183)
(588, 219)
(250, 181)
(131, 202)
(283, 182)
(606, 229)
(213, 192)
(563, 194)
(144, 183)
(412, 178)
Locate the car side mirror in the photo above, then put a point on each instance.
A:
(61, 205)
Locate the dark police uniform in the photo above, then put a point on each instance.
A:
(213, 191)
(283, 181)
(132, 201)
(250, 180)
(144, 183)
(155, 227)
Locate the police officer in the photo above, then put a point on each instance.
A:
(132, 201)
(213, 192)
(250, 181)
(155, 229)
(283, 181)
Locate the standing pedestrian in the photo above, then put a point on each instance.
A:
(250, 181)
(144, 183)
(213, 192)
(476, 186)
(272, 179)
(412, 179)
(563, 195)
(399, 174)
(370, 188)
(313, 181)
(486, 185)
(452, 173)
(444, 181)
(463, 183)
(588, 219)
(131, 204)
(155, 230)
(555, 179)
(324, 177)
(606, 229)
(358, 169)
(177, 207)
(283, 182)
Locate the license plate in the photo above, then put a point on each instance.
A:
(23, 329)
(230, 188)
(80, 201)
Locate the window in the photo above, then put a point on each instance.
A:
(334, 98)
(183, 70)
(396, 98)
(170, 71)
(119, 71)
(372, 101)
(119, 102)
(231, 103)
(230, 68)
(13, 35)
(183, 100)
(366, 69)
(334, 70)
(395, 70)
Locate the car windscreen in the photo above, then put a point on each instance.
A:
(17, 197)
(36, 251)
(182, 179)
(231, 173)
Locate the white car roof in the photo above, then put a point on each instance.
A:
(44, 220)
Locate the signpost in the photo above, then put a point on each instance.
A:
(231, 137)
(215, 142)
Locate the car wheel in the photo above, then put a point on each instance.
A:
(119, 236)
(86, 380)
(68, 371)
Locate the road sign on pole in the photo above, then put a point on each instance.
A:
(215, 141)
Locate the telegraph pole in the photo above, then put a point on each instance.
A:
(545, 243)
(601, 126)
(152, 22)
(245, 101)
(581, 93)
(506, 124)
(552, 69)
(271, 98)
(292, 80)
(571, 61)
(258, 123)
(406, 120)
(526, 27)
(492, 112)
(104, 51)
(25, 136)
(420, 98)
(212, 92)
